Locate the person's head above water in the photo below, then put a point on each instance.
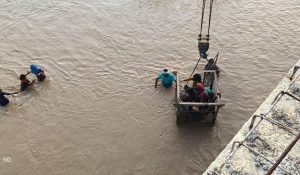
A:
(165, 72)
(35, 69)
(22, 77)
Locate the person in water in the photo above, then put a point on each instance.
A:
(25, 83)
(3, 100)
(40, 73)
(166, 77)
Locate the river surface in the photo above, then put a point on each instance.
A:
(99, 113)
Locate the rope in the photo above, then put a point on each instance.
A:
(210, 11)
(215, 58)
(193, 70)
(203, 8)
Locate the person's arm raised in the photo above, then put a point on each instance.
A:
(28, 72)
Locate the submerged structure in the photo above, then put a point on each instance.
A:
(201, 112)
(268, 143)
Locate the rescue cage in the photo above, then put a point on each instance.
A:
(208, 112)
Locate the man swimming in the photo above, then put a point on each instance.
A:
(3, 100)
(166, 77)
(25, 83)
(40, 73)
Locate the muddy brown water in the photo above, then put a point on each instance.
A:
(98, 111)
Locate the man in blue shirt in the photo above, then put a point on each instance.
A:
(166, 78)
(40, 73)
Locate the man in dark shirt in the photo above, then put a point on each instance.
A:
(188, 95)
(211, 65)
(25, 83)
(3, 100)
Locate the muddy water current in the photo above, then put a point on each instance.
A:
(98, 111)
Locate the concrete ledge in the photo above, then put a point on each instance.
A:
(255, 151)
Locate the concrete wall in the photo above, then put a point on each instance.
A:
(266, 142)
